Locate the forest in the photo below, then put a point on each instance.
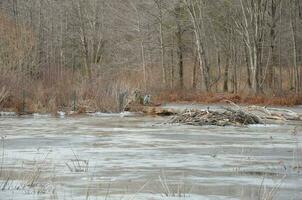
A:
(88, 53)
(151, 99)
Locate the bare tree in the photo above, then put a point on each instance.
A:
(159, 5)
(90, 32)
(293, 22)
(273, 13)
(195, 9)
(252, 29)
(228, 45)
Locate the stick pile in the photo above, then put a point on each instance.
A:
(228, 117)
(235, 116)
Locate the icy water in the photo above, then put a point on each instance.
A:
(135, 157)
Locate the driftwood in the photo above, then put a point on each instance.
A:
(269, 114)
(274, 113)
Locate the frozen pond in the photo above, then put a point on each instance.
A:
(114, 157)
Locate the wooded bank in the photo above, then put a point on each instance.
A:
(56, 53)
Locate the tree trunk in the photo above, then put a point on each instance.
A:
(226, 76)
(270, 74)
(194, 82)
(198, 28)
(172, 68)
(180, 48)
(159, 5)
(163, 56)
(294, 40)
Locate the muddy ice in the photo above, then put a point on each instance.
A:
(133, 157)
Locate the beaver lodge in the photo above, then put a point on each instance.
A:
(235, 115)
(218, 118)
(229, 115)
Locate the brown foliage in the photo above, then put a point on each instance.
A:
(212, 98)
(16, 41)
(53, 92)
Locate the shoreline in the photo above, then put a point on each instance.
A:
(165, 109)
(158, 99)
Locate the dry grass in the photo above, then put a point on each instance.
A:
(103, 95)
(51, 90)
(212, 98)
(289, 100)
(65, 91)
(179, 189)
(270, 193)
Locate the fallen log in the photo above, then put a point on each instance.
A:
(152, 110)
